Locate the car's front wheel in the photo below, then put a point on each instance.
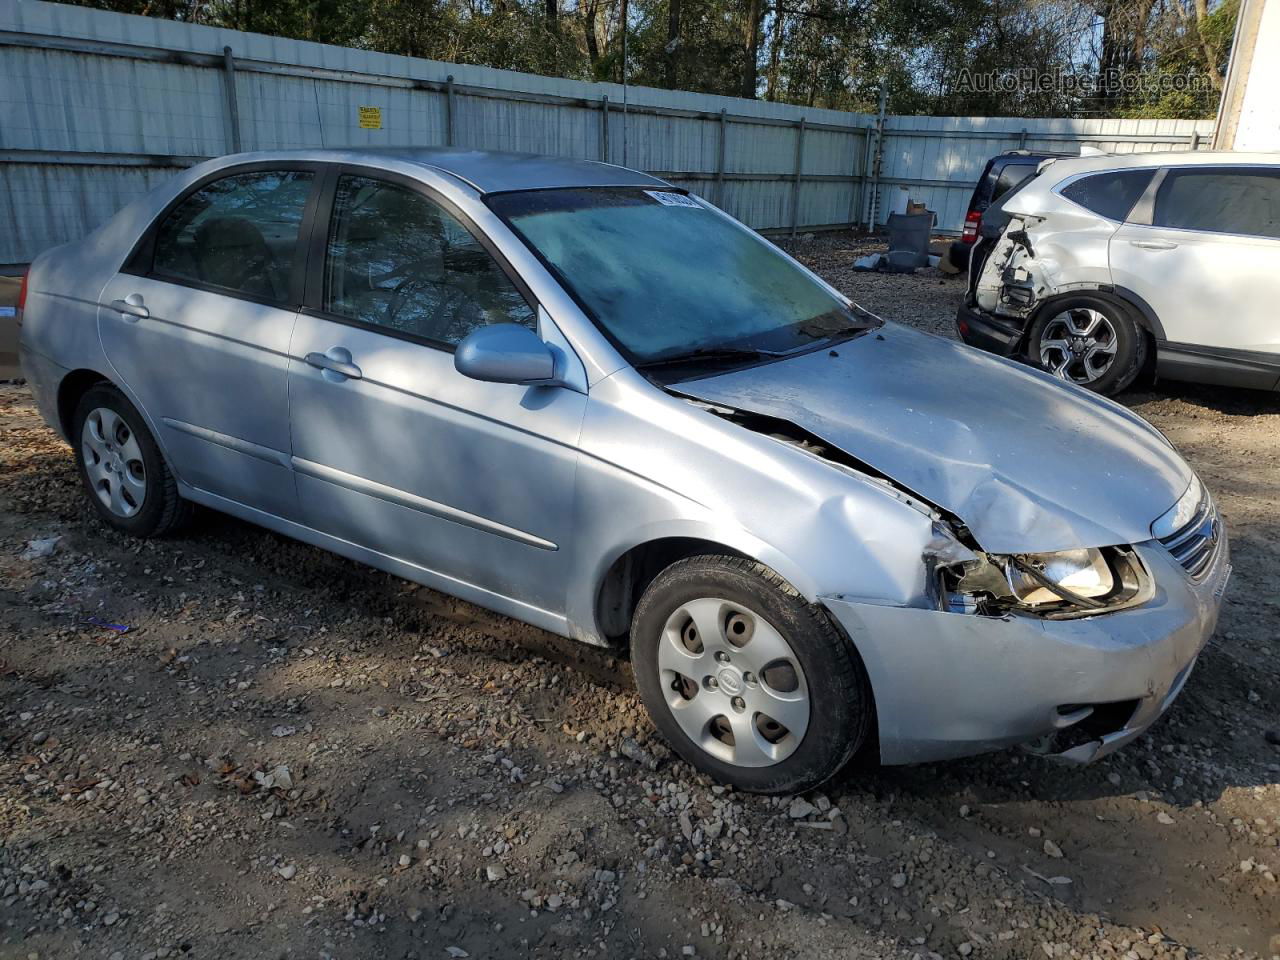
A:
(1088, 340)
(746, 680)
(122, 469)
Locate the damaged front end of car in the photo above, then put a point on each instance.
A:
(1087, 585)
(962, 577)
(1032, 602)
(1083, 587)
(1067, 655)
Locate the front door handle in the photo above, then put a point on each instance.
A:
(131, 308)
(1153, 244)
(336, 360)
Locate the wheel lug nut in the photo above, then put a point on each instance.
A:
(739, 703)
(722, 657)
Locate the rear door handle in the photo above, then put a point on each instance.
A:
(1153, 244)
(336, 360)
(131, 309)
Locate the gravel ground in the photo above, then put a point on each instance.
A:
(290, 755)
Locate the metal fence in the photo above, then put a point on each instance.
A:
(96, 108)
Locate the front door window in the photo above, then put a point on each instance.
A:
(399, 262)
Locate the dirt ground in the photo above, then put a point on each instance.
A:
(291, 755)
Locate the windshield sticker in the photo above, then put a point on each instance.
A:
(674, 199)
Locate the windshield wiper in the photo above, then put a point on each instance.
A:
(711, 355)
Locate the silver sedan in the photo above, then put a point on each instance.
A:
(582, 397)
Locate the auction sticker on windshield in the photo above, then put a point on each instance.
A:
(674, 199)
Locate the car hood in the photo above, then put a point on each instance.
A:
(1029, 464)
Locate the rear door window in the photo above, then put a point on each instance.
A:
(1241, 202)
(236, 235)
(1111, 195)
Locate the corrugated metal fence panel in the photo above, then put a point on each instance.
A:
(58, 100)
(112, 100)
(762, 203)
(827, 202)
(829, 153)
(489, 124)
(666, 143)
(44, 206)
(753, 148)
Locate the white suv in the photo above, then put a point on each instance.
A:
(1111, 264)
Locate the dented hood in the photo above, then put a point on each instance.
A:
(1028, 463)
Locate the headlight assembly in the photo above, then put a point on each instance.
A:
(1080, 576)
(1056, 586)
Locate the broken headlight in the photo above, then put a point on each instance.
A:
(1057, 586)
(1077, 575)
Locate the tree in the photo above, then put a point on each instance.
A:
(751, 28)
(1109, 56)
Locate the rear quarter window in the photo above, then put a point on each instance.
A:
(1111, 195)
(1011, 176)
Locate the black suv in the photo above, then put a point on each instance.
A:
(1002, 173)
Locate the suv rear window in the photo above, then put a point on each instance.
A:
(1242, 202)
(1012, 175)
(1111, 195)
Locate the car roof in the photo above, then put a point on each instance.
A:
(1071, 166)
(487, 171)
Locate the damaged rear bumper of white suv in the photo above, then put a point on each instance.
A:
(955, 684)
(998, 335)
(1007, 285)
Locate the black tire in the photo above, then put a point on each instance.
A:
(841, 709)
(161, 511)
(1130, 343)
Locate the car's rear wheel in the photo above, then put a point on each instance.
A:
(1088, 340)
(746, 680)
(123, 472)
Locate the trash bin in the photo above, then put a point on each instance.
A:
(909, 239)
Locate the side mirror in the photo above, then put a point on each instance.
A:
(506, 353)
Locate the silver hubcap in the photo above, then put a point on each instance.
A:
(113, 461)
(1078, 345)
(733, 683)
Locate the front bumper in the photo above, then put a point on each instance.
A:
(954, 684)
(996, 335)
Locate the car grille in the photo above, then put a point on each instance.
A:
(1195, 545)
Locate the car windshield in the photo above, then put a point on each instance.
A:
(671, 281)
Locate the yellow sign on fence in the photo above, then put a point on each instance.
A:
(370, 118)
